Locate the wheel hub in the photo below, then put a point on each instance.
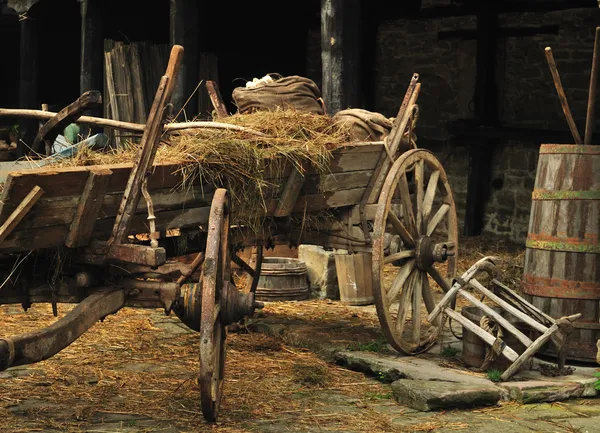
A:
(427, 252)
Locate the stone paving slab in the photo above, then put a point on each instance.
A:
(427, 395)
(537, 391)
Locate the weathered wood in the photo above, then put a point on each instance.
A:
(561, 95)
(148, 146)
(561, 274)
(290, 192)
(216, 99)
(497, 317)
(340, 52)
(384, 163)
(139, 254)
(488, 338)
(88, 209)
(477, 267)
(589, 121)
(20, 212)
(28, 80)
(531, 308)
(508, 307)
(47, 134)
(416, 306)
(125, 126)
(529, 352)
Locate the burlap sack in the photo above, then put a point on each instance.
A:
(365, 125)
(294, 92)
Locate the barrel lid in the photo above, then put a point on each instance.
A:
(569, 149)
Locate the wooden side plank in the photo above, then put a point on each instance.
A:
(21, 210)
(88, 209)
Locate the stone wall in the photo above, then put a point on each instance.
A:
(527, 98)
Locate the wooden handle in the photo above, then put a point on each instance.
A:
(562, 96)
(589, 121)
(175, 60)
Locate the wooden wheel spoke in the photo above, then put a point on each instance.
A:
(404, 303)
(400, 229)
(441, 281)
(399, 256)
(407, 207)
(430, 195)
(419, 180)
(437, 218)
(428, 297)
(417, 283)
(399, 281)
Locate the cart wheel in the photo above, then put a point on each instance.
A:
(429, 242)
(216, 273)
(252, 275)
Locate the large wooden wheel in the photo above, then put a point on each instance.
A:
(215, 279)
(416, 207)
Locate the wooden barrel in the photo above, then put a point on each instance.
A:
(354, 277)
(473, 353)
(282, 279)
(562, 260)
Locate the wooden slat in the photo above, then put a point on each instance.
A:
(88, 208)
(488, 338)
(529, 352)
(21, 210)
(55, 236)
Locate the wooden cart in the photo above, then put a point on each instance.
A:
(67, 236)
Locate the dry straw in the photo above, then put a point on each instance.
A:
(251, 167)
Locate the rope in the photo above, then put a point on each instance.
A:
(491, 352)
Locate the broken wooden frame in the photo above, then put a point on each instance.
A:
(510, 303)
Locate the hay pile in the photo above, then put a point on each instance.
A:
(251, 167)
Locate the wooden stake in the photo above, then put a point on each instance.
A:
(589, 121)
(562, 96)
(216, 99)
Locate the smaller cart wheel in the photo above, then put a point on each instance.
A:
(216, 274)
(415, 206)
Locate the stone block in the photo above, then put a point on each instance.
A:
(534, 391)
(427, 395)
(320, 266)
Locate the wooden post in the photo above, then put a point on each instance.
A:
(340, 54)
(184, 24)
(486, 112)
(92, 53)
(28, 91)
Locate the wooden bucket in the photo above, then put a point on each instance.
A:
(562, 260)
(354, 277)
(473, 353)
(282, 279)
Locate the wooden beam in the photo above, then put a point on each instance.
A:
(340, 53)
(92, 51)
(47, 134)
(88, 208)
(20, 212)
(28, 81)
(139, 254)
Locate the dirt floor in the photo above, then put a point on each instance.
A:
(136, 372)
